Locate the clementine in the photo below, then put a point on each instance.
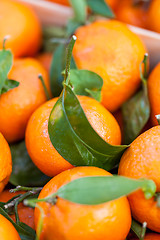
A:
(110, 49)
(7, 230)
(130, 13)
(5, 162)
(26, 214)
(153, 16)
(17, 105)
(22, 25)
(44, 155)
(141, 160)
(154, 93)
(69, 221)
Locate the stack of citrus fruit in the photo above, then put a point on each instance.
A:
(74, 137)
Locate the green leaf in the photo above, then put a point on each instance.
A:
(87, 83)
(24, 172)
(74, 138)
(138, 229)
(80, 10)
(8, 85)
(72, 25)
(100, 7)
(57, 66)
(25, 232)
(6, 60)
(101, 189)
(136, 111)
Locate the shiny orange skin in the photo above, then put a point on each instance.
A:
(5, 162)
(17, 105)
(141, 160)
(7, 230)
(45, 59)
(132, 14)
(69, 221)
(44, 155)
(112, 3)
(110, 49)
(22, 25)
(154, 93)
(26, 214)
(153, 16)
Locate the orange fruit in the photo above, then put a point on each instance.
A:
(69, 221)
(150, 236)
(45, 59)
(112, 3)
(44, 155)
(141, 160)
(110, 49)
(5, 162)
(153, 16)
(154, 93)
(22, 25)
(17, 105)
(7, 230)
(130, 13)
(26, 214)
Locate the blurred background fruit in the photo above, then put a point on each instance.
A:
(21, 24)
(154, 93)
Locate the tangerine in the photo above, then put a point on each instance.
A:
(69, 221)
(141, 160)
(22, 25)
(111, 50)
(44, 155)
(17, 105)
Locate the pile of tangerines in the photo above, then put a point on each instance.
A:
(108, 50)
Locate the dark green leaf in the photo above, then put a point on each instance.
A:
(100, 7)
(138, 229)
(136, 112)
(101, 189)
(80, 10)
(57, 66)
(74, 138)
(25, 232)
(8, 85)
(6, 59)
(24, 172)
(87, 83)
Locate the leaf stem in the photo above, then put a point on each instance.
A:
(32, 202)
(21, 188)
(143, 231)
(68, 58)
(4, 41)
(44, 86)
(144, 75)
